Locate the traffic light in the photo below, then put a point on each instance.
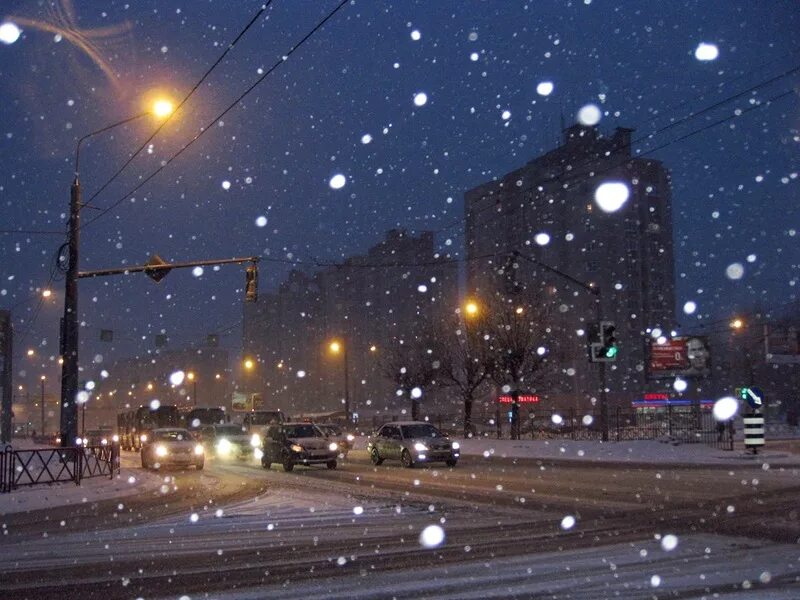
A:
(251, 284)
(603, 342)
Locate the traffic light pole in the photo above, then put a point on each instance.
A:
(167, 266)
(594, 290)
(69, 334)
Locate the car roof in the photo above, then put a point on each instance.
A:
(409, 423)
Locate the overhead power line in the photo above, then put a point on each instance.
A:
(230, 107)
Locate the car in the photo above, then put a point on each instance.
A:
(99, 437)
(172, 446)
(412, 442)
(335, 434)
(228, 440)
(291, 444)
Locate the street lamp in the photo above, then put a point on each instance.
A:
(337, 347)
(737, 324)
(471, 308)
(69, 350)
(42, 404)
(190, 376)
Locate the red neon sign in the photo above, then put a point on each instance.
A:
(522, 399)
(656, 397)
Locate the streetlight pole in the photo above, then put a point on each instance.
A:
(69, 326)
(42, 405)
(346, 388)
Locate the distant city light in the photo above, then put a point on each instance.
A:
(545, 88)
(337, 182)
(9, 32)
(589, 115)
(706, 52)
(611, 196)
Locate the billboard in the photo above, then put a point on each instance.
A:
(688, 356)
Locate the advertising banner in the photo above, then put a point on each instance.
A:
(688, 356)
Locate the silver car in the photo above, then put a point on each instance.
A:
(412, 442)
(172, 446)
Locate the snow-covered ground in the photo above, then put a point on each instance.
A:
(127, 482)
(731, 567)
(635, 451)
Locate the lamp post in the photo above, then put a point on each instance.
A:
(191, 377)
(69, 326)
(42, 403)
(337, 347)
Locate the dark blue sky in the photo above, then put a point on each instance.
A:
(734, 185)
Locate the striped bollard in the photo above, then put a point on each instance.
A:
(753, 431)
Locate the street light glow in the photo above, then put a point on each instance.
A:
(471, 308)
(335, 347)
(46, 293)
(248, 364)
(190, 376)
(162, 108)
(737, 324)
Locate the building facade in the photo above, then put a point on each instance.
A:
(546, 212)
(370, 304)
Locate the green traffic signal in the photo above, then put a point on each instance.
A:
(611, 352)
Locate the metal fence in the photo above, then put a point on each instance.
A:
(52, 465)
(675, 424)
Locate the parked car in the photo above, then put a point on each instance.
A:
(172, 446)
(228, 440)
(412, 442)
(99, 437)
(291, 444)
(335, 434)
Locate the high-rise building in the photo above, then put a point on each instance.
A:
(550, 212)
(370, 304)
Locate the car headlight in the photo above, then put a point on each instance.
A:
(258, 453)
(333, 446)
(223, 446)
(255, 441)
(296, 448)
(350, 437)
(115, 438)
(143, 437)
(161, 451)
(420, 447)
(198, 449)
(456, 445)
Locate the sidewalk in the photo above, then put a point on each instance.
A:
(649, 452)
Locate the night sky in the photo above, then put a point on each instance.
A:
(735, 185)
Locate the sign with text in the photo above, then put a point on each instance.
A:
(522, 399)
(688, 356)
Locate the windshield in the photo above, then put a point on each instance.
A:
(301, 431)
(172, 435)
(221, 430)
(265, 417)
(420, 431)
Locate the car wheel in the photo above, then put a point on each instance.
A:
(145, 464)
(376, 458)
(331, 464)
(199, 466)
(265, 462)
(406, 460)
(451, 462)
(288, 464)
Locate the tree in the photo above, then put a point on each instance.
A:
(522, 350)
(462, 351)
(409, 364)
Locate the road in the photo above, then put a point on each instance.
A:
(240, 530)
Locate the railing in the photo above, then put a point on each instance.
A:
(52, 465)
(687, 426)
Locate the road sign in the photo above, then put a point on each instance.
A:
(753, 396)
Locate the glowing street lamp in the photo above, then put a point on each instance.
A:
(737, 324)
(69, 370)
(249, 364)
(471, 308)
(191, 377)
(337, 347)
(46, 293)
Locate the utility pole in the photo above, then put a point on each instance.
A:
(42, 405)
(346, 387)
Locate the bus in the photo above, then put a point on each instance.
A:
(197, 417)
(256, 419)
(134, 425)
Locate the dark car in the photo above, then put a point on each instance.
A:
(291, 444)
(412, 442)
(172, 446)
